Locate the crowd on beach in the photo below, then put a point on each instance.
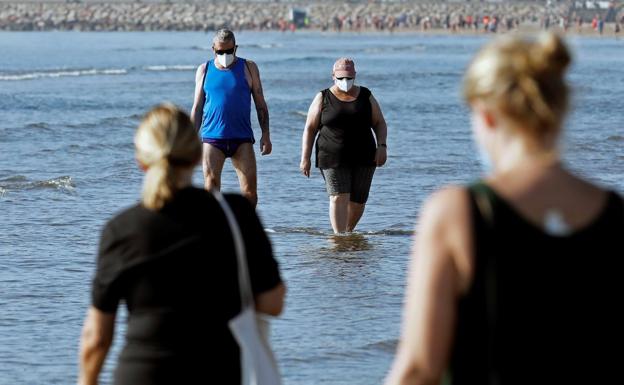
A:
(334, 16)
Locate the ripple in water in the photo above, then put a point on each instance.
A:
(20, 183)
(616, 138)
(59, 73)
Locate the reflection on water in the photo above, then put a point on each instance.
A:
(349, 242)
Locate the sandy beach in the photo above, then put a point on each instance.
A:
(453, 17)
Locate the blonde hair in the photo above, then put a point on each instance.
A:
(166, 143)
(523, 79)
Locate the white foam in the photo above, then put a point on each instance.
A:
(62, 73)
(177, 67)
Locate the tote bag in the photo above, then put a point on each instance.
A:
(258, 366)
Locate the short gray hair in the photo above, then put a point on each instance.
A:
(224, 35)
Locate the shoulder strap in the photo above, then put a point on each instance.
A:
(248, 69)
(365, 92)
(205, 74)
(484, 203)
(324, 94)
(244, 280)
(484, 200)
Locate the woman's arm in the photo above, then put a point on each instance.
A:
(97, 336)
(433, 287)
(381, 132)
(271, 302)
(313, 121)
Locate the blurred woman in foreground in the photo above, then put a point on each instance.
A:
(514, 280)
(171, 259)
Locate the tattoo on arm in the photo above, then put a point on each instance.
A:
(258, 95)
(263, 118)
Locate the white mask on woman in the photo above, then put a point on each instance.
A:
(484, 160)
(344, 84)
(225, 59)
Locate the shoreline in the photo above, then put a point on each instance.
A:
(427, 17)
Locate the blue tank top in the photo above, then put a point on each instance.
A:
(227, 107)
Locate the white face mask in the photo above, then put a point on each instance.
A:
(345, 84)
(484, 160)
(225, 60)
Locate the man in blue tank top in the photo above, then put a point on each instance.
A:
(221, 114)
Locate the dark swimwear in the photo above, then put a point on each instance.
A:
(176, 271)
(542, 309)
(227, 146)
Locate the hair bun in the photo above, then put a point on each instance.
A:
(550, 54)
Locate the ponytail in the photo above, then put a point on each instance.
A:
(165, 143)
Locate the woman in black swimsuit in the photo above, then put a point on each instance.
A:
(171, 259)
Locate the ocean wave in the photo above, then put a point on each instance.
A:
(312, 231)
(176, 67)
(306, 59)
(400, 48)
(39, 125)
(20, 182)
(201, 48)
(262, 46)
(397, 232)
(59, 73)
(616, 138)
(388, 346)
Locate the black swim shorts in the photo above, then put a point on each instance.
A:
(353, 180)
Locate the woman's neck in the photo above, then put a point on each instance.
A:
(184, 179)
(519, 155)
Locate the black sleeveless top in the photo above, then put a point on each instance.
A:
(346, 137)
(541, 308)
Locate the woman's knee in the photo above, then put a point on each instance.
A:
(339, 198)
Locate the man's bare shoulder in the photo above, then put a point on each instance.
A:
(201, 69)
(252, 65)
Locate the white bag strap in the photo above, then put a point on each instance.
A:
(244, 281)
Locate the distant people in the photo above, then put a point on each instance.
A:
(347, 152)
(579, 24)
(171, 260)
(221, 114)
(514, 280)
(600, 26)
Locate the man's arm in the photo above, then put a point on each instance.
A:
(261, 108)
(381, 132)
(198, 102)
